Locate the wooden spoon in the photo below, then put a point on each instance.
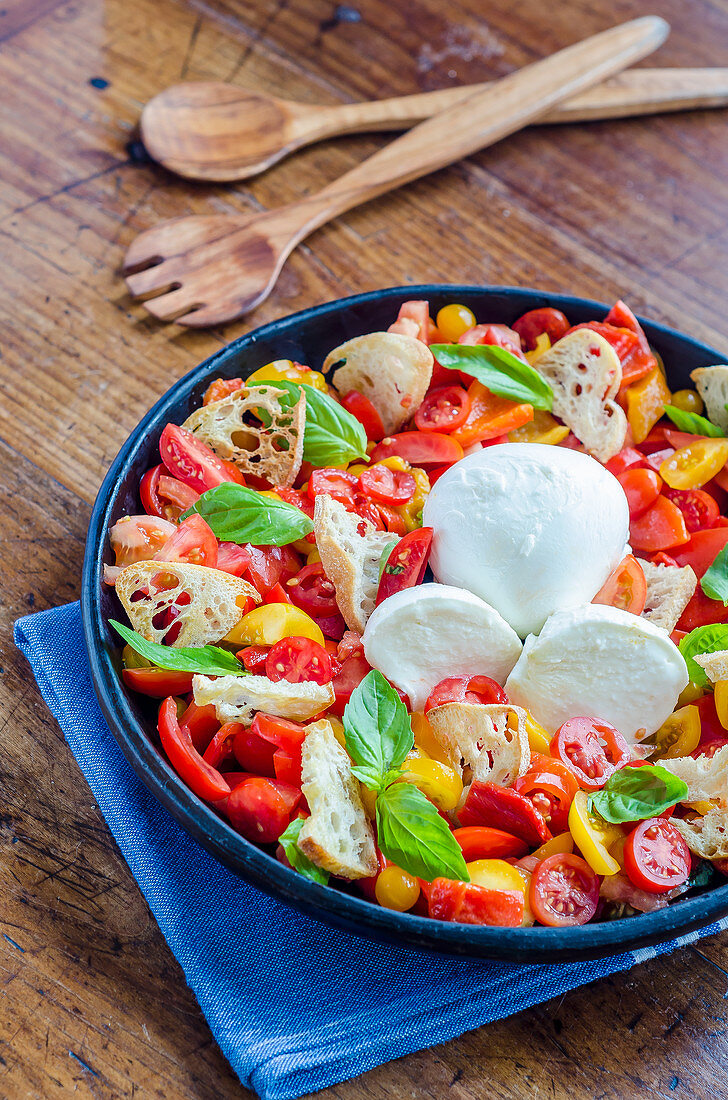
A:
(209, 269)
(215, 131)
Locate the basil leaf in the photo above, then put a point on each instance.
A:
(332, 436)
(714, 581)
(691, 422)
(704, 639)
(301, 863)
(377, 729)
(208, 660)
(412, 834)
(632, 794)
(498, 369)
(238, 514)
(385, 556)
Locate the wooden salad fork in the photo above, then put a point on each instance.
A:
(208, 269)
(221, 132)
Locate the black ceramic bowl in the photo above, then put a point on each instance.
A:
(307, 337)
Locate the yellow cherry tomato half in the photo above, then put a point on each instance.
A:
(720, 698)
(291, 372)
(496, 874)
(271, 622)
(543, 343)
(690, 694)
(453, 321)
(425, 739)
(678, 735)
(395, 889)
(593, 835)
(689, 401)
(696, 464)
(440, 783)
(544, 428)
(562, 842)
(538, 738)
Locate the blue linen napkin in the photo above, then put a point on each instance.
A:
(294, 1005)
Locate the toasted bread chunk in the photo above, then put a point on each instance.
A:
(490, 739)
(715, 664)
(351, 550)
(706, 836)
(338, 835)
(585, 373)
(712, 385)
(669, 591)
(228, 426)
(215, 607)
(391, 369)
(706, 776)
(238, 698)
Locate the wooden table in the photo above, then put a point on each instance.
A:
(93, 1001)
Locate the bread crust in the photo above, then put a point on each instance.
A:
(391, 369)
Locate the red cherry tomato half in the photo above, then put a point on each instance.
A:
(537, 321)
(481, 842)
(365, 412)
(625, 588)
(192, 542)
(202, 779)
(503, 808)
(465, 903)
(299, 500)
(622, 316)
(285, 735)
(312, 591)
(465, 689)
(564, 891)
(232, 558)
(260, 809)
(271, 565)
(641, 487)
(253, 658)
(165, 496)
(335, 483)
(550, 785)
(220, 748)
(656, 857)
(352, 672)
(298, 660)
(202, 723)
(592, 749)
(702, 611)
(443, 410)
(158, 683)
(406, 563)
(193, 462)
(700, 510)
(387, 486)
(419, 449)
(660, 528)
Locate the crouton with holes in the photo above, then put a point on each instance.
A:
(669, 591)
(254, 429)
(180, 604)
(338, 835)
(712, 385)
(706, 836)
(351, 552)
(239, 698)
(714, 664)
(489, 739)
(585, 374)
(391, 369)
(706, 776)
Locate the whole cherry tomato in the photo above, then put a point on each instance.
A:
(537, 321)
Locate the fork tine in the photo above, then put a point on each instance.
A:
(154, 280)
(170, 306)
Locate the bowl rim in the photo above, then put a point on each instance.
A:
(324, 903)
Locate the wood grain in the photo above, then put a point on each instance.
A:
(93, 1002)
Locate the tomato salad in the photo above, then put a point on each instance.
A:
(588, 824)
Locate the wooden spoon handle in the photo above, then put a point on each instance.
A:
(482, 119)
(635, 92)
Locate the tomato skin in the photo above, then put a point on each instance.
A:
(365, 412)
(700, 510)
(202, 779)
(662, 527)
(443, 410)
(220, 748)
(298, 660)
(465, 689)
(260, 809)
(232, 558)
(138, 538)
(701, 550)
(578, 743)
(482, 842)
(202, 723)
(537, 321)
(352, 672)
(392, 520)
(490, 416)
(656, 857)
(406, 563)
(625, 587)
(253, 657)
(624, 460)
(192, 542)
(312, 591)
(641, 487)
(157, 683)
(286, 735)
(465, 903)
(500, 335)
(564, 891)
(270, 565)
(419, 449)
(622, 316)
(335, 483)
(194, 463)
(385, 486)
(299, 499)
(503, 808)
(550, 785)
(254, 753)
(164, 496)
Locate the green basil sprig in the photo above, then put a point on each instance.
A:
(332, 436)
(410, 831)
(691, 422)
(704, 639)
(288, 840)
(714, 581)
(633, 794)
(498, 369)
(239, 514)
(207, 660)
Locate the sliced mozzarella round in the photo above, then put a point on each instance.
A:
(530, 528)
(424, 634)
(600, 662)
